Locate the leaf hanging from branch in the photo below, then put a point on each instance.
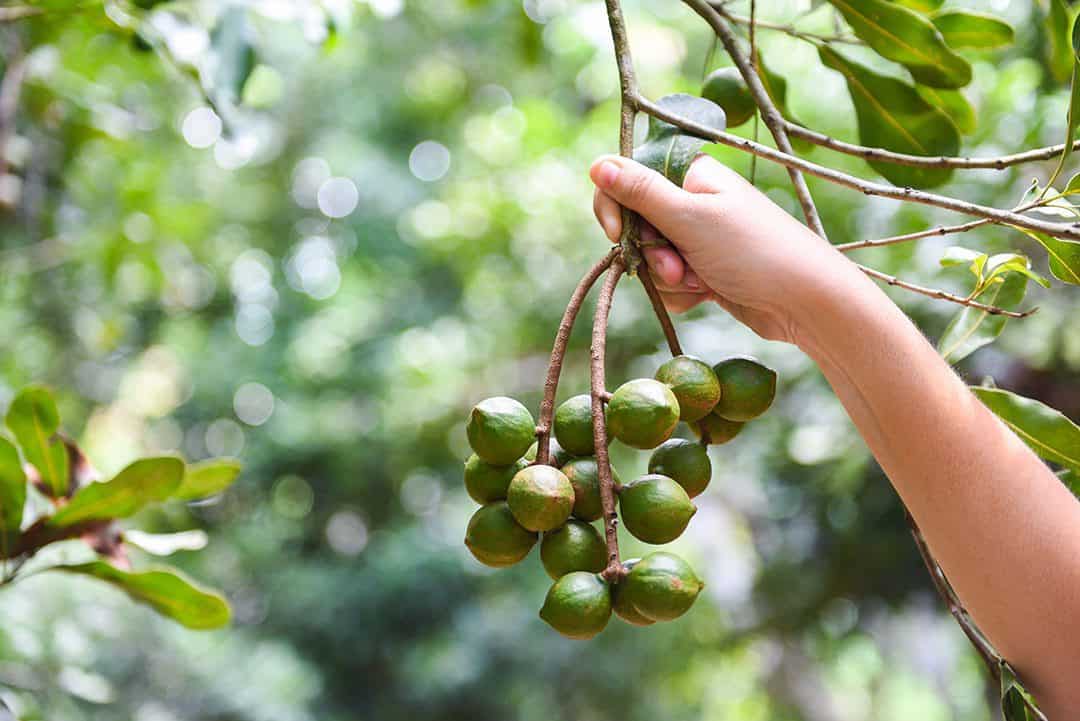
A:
(670, 150)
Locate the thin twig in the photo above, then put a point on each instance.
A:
(773, 120)
(558, 354)
(661, 313)
(942, 295)
(924, 161)
(791, 30)
(989, 656)
(614, 568)
(1070, 231)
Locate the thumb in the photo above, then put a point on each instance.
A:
(638, 188)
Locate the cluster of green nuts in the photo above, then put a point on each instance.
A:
(521, 499)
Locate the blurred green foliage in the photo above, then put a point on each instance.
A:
(378, 227)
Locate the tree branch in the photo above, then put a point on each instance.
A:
(614, 568)
(558, 354)
(628, 93)
(789, 29)
(1060, 230)
(942, 295)
(924, 161)
(773, 120)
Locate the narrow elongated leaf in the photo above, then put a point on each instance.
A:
(207, 478)
(34, 420)
(166, 544)
(969, 29)
(1015, 698)
(145, 481)
(954, 104)
(165, 590)
(12, 494)
(1047, 431)
(1064, 255)
(906, 37)
(972, 328)
(892, 115)
(1058, 24)
(921, 5)
(1072, 119)
(666, 148)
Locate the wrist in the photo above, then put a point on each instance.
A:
(830, 300)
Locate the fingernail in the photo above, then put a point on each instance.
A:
(607, 174)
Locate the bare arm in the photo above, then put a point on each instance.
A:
(1002, 526)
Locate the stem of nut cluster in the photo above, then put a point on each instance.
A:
(614, 569)
(558, 354)
(629, 238)
(661, 313)
(774, 121)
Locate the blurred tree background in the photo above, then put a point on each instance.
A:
(313, 234)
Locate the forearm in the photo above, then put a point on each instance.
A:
(1004, 529)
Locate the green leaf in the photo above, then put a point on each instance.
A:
(1001, 264)
(166, 544)
(165, 590)
(12, 494)
(968, 29)
(1071, 121)
(975, 260)
(892, 115)
(1047, 431)
(144, 482)
(904, 36)
(1015, 699)
(666, 148)
(1058, 24)
(207, 478)
(1064, 255)
(954, 104)
(34, 420)
(233, 57)
(921, 5)
(972, 328)
(1071, 479)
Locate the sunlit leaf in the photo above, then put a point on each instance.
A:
(12, 494)
(1047, 431)
(954, 104)
(972, 328)
(34, 420)
(921, 5)
(668, 149)
(1058, 24)
(165, 590)
(145, 481)
(969, 29)
(166, 544)
(1001, 264)
(892, 115)
(207, 478)
(1064, 255)
(904, 36)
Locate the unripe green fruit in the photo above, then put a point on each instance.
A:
(655, 509)
(661, 587)
(540, 498)
(573, 425)
(500, 430)
(726, 88)
(578, 605)
(584, 476)
(621, 606)
(747, 389)
(686, 462)
(642, 413)
(495, 538)
(557, 455)
(577, 546)
(721, 430)
(486, 483)
(694, 384)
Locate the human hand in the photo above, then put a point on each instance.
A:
(730, 243)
